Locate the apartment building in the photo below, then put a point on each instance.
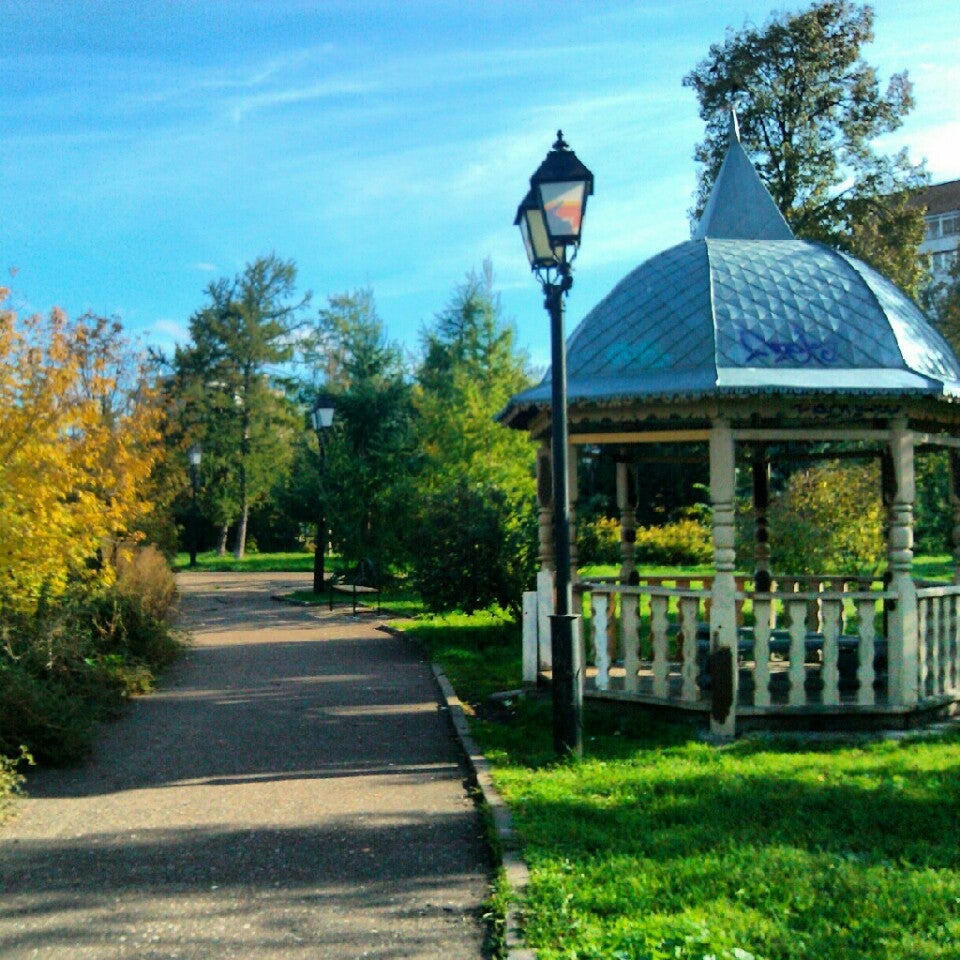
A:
(942, 234)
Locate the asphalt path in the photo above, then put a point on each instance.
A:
(291, 791)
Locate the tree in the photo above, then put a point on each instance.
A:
(79, 435)
(945, 306)
(371, 455)
(809, 108)
(231, 390)
(477, 515)
(470, 369)
(829, 517)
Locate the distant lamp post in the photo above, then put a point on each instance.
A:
(194, 456)
(550, 219)
(322, 418)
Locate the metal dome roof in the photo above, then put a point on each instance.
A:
(747, 308)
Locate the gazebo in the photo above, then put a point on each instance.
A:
(732, 343)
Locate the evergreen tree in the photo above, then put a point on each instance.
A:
(477, 518)
(470, 369)
(371, 456)
(230, 389)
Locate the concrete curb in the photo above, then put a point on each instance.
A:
(515, 870)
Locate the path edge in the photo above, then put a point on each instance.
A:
(515, 870)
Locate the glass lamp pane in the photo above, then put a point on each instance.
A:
(324, 417)
(563, 207)
(535, 237)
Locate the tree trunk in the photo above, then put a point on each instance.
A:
(241, 542)
(222, 539)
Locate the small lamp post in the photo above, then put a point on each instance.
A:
(550, 219)
(194, 456)
(322, 418)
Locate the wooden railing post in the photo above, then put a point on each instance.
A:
(627, 505)
(903, 628)
(723, 606)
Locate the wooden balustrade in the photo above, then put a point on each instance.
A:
(938, 647)
(796, 648)
(811, 643)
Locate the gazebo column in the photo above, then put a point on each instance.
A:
(545, 581)
(627, 505)
(761, 501)
(574, 487)
(723, 611)
(902, 624)
(955, 506)
(545, 508)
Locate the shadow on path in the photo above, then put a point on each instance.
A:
(293, 789)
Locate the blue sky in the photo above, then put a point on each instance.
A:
(148, 147)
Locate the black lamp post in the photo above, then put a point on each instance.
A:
(322, 417)
(194, 456)
(550, 218)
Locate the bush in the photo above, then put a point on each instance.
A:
(475, 549)
(71, 664)
(829, 519)
(11, 780)
(598, 540)
(684, 541)
(687, 540)
(144, 573)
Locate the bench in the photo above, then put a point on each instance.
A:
(360, 582)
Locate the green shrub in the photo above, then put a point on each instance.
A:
(829, 519)
(69, 665)
(476, 549)
(11, 780)
(598, 540)
(685, 541)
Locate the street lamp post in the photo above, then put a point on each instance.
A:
(322, 416)
(550, 219)
(194, 456)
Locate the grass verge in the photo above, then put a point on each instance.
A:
(293, 562)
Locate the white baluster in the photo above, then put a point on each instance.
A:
(954, 645)
(798, 671)
(761, 652)
(866, 610)
(661, 659)
(933, 673)
(630, 618)
(530, 639)
(923, 643)
(601, 656)
(943, 652)
(689, 619)
(829, 669)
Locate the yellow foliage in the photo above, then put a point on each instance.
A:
(79, 434)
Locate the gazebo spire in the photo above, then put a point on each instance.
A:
(739, 206)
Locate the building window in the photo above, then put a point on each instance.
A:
(942, 261)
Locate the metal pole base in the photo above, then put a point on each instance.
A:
(567, 686)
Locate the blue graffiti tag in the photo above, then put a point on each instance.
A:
(800, 349)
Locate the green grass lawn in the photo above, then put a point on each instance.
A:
(658, 845)
(293, 562)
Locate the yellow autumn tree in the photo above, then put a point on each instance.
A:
(79, 435)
